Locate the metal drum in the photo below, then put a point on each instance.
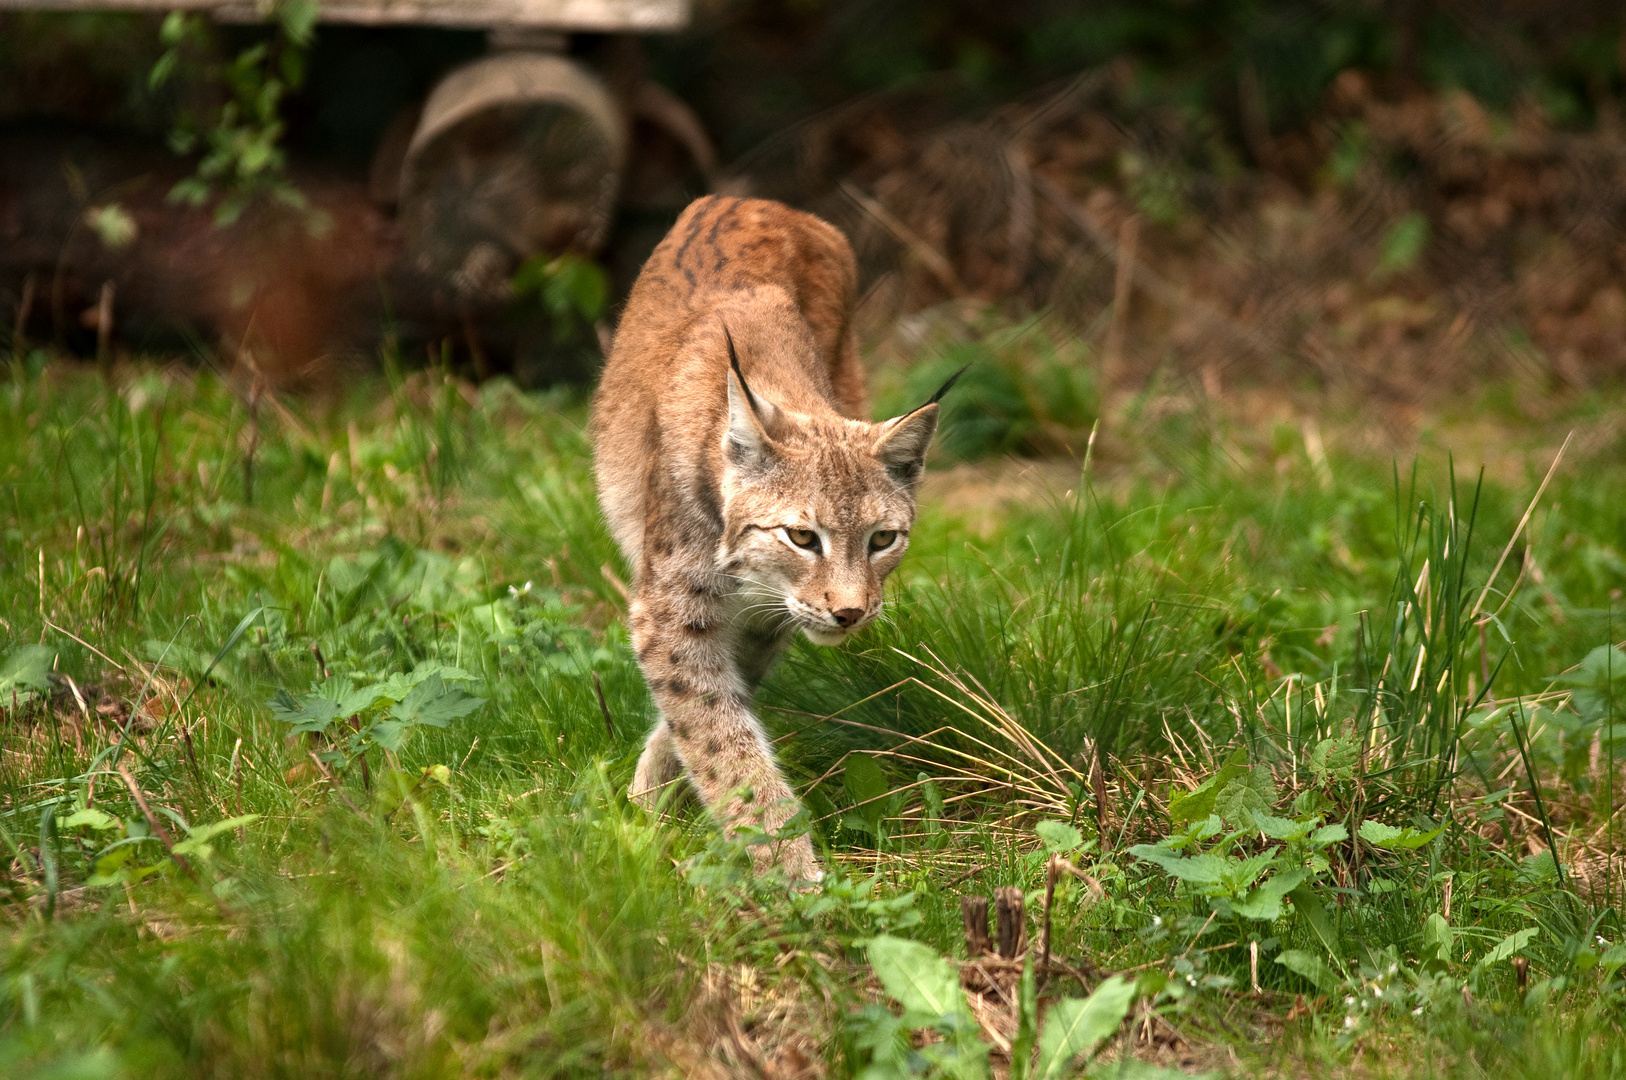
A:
(516, 154)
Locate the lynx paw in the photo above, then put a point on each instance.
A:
(794, 858)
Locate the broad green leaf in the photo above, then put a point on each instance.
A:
(886, 1037)
(1207, 869)
(388, 734)
(1334, 759)
(359, 700)
(1058, 836)
(1438, 938)
(1329, 834)
(1074, 1027)
(1283, 828)
(91, 818)
(298, 19)
(434, 703)
(305, 714)
(1538, 868)
(1198, 803)
(925, 984)
(1240, 874)
(1517, 941)
(25, 673)
(401, 684)
(1309, 905)
(1265, 902)
(1310, 967)
(200, 833)
(1599, 684)
(1380, 835)
(197, 840)
(1245, 798)
(866, 785)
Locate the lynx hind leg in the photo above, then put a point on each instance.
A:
(659, 768)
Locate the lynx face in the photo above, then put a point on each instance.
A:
(817, 511)
(814, 522)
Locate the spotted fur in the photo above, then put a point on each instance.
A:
(747, 493)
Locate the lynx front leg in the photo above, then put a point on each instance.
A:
(707, 724)
(659, 767)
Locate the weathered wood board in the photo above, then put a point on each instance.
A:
(585, 15)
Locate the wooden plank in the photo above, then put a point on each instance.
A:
(585, 15)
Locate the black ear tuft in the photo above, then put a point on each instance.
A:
(903, 442)
(751, 419)
(734, 362)
(946, 387)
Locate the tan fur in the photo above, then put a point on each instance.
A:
(706, 480)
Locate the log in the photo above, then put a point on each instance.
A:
(1012, 930)
(974, 911)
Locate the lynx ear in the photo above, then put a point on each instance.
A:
(904, 439)
(749, 417)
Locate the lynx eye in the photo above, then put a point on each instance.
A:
(882, 539)
(803, 538)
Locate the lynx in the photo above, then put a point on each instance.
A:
(745, 489)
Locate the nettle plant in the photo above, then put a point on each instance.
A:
(1255, 865)
(379, 714)
(927, 988)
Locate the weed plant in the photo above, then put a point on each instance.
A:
(318, 718)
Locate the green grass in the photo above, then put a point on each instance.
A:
(479, 899)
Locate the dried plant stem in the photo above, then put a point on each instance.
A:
(935, 262)
(1122, 287)
(1517, 532)
(153, 823)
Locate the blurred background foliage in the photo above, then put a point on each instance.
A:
(753, 67)
(1205, 56)
(1399, 198)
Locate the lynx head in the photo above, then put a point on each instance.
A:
(817, 509)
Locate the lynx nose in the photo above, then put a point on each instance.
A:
(847, 616)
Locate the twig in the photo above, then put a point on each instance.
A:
(333, 782)
(935, 262)
(25, 307)
(237, 778)
(153, 823)
(616, 583)
(1531, 509)
(1123, 285)
(1153, 282)
(1019, 228)
(104, 322)
(85, 643)
(191, 756)
(1049, 902)
(603, 707)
